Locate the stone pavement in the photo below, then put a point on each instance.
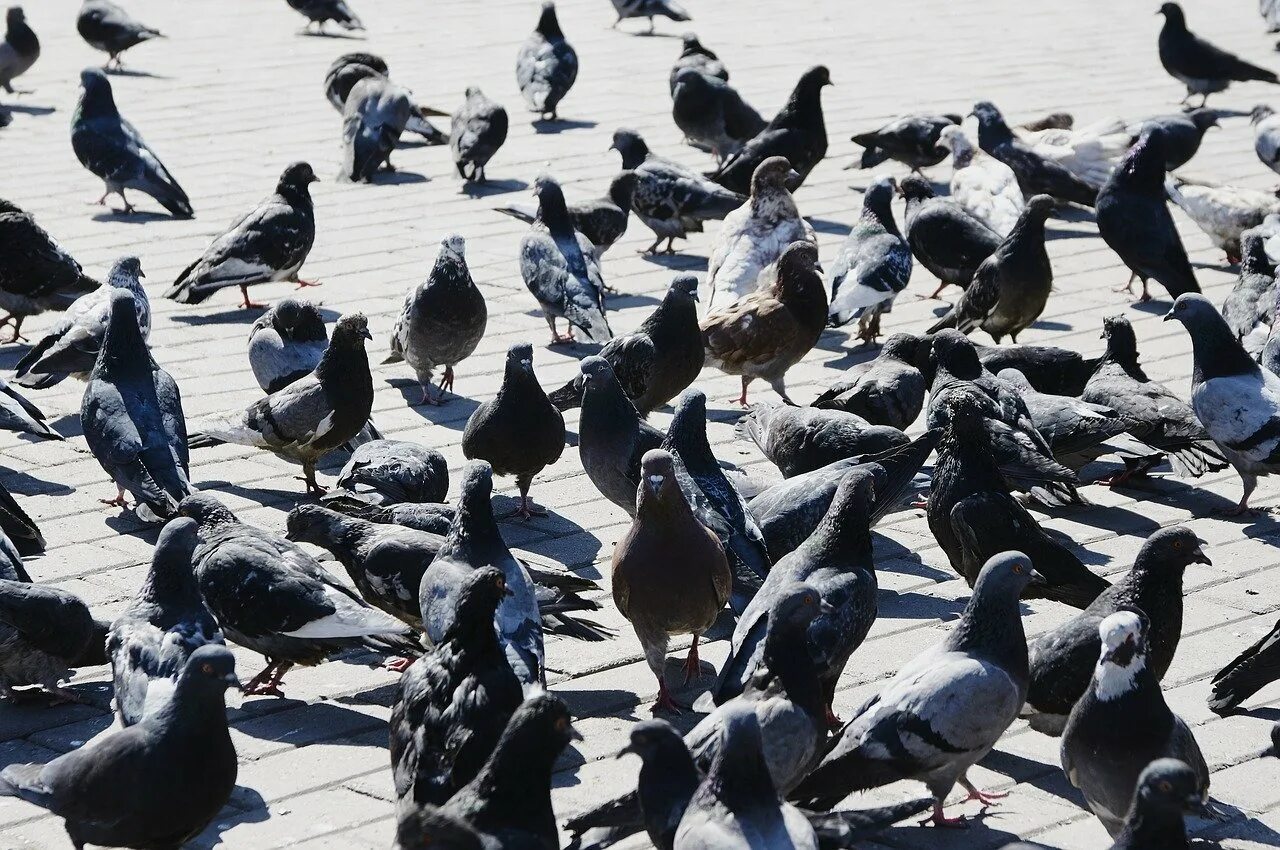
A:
(234, 94)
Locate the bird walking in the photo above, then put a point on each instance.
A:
(107, 27)
(1202, 67)
(546, 65)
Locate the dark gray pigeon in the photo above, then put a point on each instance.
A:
(113, 150)
(1200, 66)
(109, 28)
(1249, 306)
(424, 516)
(1121, 724)
(911, 140)
(694, 55)
(711, 113)
(873, 265)
(375, 114)
(1183, 132)
(546, 65)
(612, 437)
(152, 639)
(802, 439)
(948, 240)
(156, 784)
(1246, 674)
(479, 128)
(350, 68)
(320, 12)
(133, 421)
(1167, 789)
(388, 472)
(888, 390)
(268, 244)
(1036, 174)
(602, 220)
(628, 9)
(21, 529)
(45, 632)
(286, 343)
(19, 50)
(1050, 369)
(442, 321)
(36, 273)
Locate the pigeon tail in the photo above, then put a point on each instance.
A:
(201, 440)
(419, 125)
(567, 397)
(950, 319)
(838, 829)
(589, 319)
(1253, 669)
(831, 782)
(23, 780)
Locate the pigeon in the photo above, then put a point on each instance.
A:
(312, 416)
(21, 529)
(21, 416)
(519, 431)
(948, 241)
(286, 343)
(268, 244)
(151, 641)
(1249, 306)
(1183, 132)
(376, 112)
(1011, 287)
(475, 542)
(1122, 723)
(670, 575)
(1200, 66)
(546, 66)
(36, 273)
(478, 130)
(1269, 356)
(1166, 789)
(113, 150)
(711, 113)
(670, 199)
(560, 269)
(1270, 13)
(1062, 660)
(1089, 153)
(694, 55)
(156, 784)
(1049, 369)
(1036, 173)
(442, 321)
(982, 184)
(45, 632)
(612, 437)
(657, 361)
(109, 28)
(132, 418)
(1223, 212)
(320, 12)
(431, 517)
(715, 501)
(389, 472)
(888, 390)
(648, 9)
(754, 236)
(602, 220)
(912, 140)
(945, 709)
(19, 50)
(766, 332)
(1266, 136)
(1247, 673)
(270, 596)
(350, 68)
(803, 439)
(873, 265)
(453, 703)
(797, 132)
(71, 346)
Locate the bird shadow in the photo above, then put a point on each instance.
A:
(625, 300)
(131, 72)
(126, 521)
(135, 217)
(545, 127)
(1073, 213)
(677, 262)
(260, 495)
(1156, 306)
(232, 316)
(591, 702)
(24, 484)
(453, 413)
(397, 178)
(68, 425)
(646, 33)
(1224, 113)
(491, 187)
(31, 110)
(246, 806)
(823, 225)
(918, 606)
(1051, 326)
(327, 34)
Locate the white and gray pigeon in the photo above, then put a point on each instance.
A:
(546, 65)
(1223, 212)
(151, 640)
(872, 266)
(107, 27)
(1089, 152)
(320, 12)
(559, 268)
(1266, 136)
(982, 184)
(269, 243)
(1249, 307)
(19, 415)
(754, 235)
(132, 418)
(628, 9)
(945, 709)
(19, 50)
(71, 346)
(1237, 401)
(113, 150)
(479, 128)
(442, 321)
(376, 112)
(286, 343)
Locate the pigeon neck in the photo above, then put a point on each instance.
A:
(675, 313)
(605, 407)
(667, 504)
(473, 525)
(739, 777)
(772, 203)
(296, 195)
(1028, 231)
(450, 273)
(549, 25)
(634, 152)
(1127, 677)
(876, 209)
(668, 780)
(1122, 350)
(1148, 826)
(473, 627)
(197, 710)
(843, 532)
(991, 629)
(95, 103)
(1254, 259)
(345, 363)
(620, 192)
(515, 783)
(788, 657)
(172, 579)
(23, 38)
(124, 351)
(993, 132)
(802, 109)
(1216, 353)
(1142, 169)
(553, 213)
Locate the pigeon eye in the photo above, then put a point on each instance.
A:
(1164, 786)
(206, 669)
(562, 723)
(1177, 544)
(1017, 568)
(808, 600)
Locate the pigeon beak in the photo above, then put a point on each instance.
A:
(574, 734)
(628, 750)
(655, 482)
(825, 607)
(793, 176)
(1167, 316)
(1199, 557)
(1037, 579)
(233, 681)
(694, 295)
(367, 335)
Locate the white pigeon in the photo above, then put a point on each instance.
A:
(1089, 153)
(982, 184)
(1266, 136)
(1270, 12)
(1223, 212)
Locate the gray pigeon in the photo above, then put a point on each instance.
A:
(694, 55)
(1183, 132)
(802, 439)
(612, 437)
(479, 128)
(1167, 788)
(911, 140)
(711, 113)
(1266, 136)
(1121, 724)
(350, 68)
(948, 240)
(320, 12)
(628, 9)
(888, 390)
(546, 65)
(442, 321)
(71, 346)
(1249, 306)
(132, 418)
(602, 220)
(113, 150)
(21, 416)
(45, 632)
(873, 265)
(19, 50)
(376, 112)
(286, 343)
(109, 28)
(36, 273)
(387, 472)
(151, 640)
(269, 243)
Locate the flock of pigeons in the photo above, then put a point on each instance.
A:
(788, 572)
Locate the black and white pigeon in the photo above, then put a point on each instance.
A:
(107, 27)
(612, 436)
(18, 527)
(320, 12)
(270, 243)
(1183, 132)
(1134, 220)
(948, 240)
(478, 130)
(1011, 287)
(71, 346)
(1062, 660)
(21, 416)
(350, 68)
(872, 266)
(156, 784)
(36, 273)
(657, 361)
(18, 51)
(797, 132)
(911, 140)
(672, 200)
(310, 417)
(1037, 175)
(694, 55)
(152, 639)
(389, 472)
(559, 267)
(650, 9)
(1249, 306)
(887, 390)
(1122, 723)
(1200, 66)
(602, 220)
(518, 431)
(945, 709)
(270, 596)
(286, 343)
(375, 114)
(546, 65)
(45, 632)
(802, 439)
(132, 418)
(1246, 674)
(711, 113)
(1167, 789)
(113, 150)
(442, 321)
(453, 703)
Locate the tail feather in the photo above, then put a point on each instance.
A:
(832, 781)
(872, 156)
(950, 319)
(569, 396)
(201, 440)
(839, 829)
(675, 12)
(621, 813)
(589, 319)
(419, 125)
(23, 780)
(1249, 672)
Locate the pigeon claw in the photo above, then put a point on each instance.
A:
(398, 664)
(526, 510)
(665, 703)
(833, 720)
(692, 666)
(941, 821)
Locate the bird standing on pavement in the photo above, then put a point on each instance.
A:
(803, 439)
(36, 273)
(109, 28)
(45, 632)
(320, 12)
(612, 437)
(1223, 212)
(982, 184)
(888, 390)
(392, 472)
(1203, 68)
(546, 66)
(286, 343)
(711, 113)
(948, 240)
(19, 50)
(479, 128)
(1249, 306)
(912, 140)
(350, 68)
(375, 114)
(627, 9)
(873, 266)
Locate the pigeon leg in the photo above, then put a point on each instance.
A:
(780, 387)
(260, 685)
(101, 202)
(426, 394)
(665, 702)
(986, 798)
(938, 819)
(303, 284)
(556, 338)
(1128, 287)
(309, 476)
(742, 399)
(16, 321)
(398, 664)
(652, 249)
(671, 245)
(1250, 482)
(1146, 294)
(128, 207)
(650, 25)
(247, 304)
(119, 501)
(833, 720)
(526, 510)
(937, 293)
(446, 382)
(692, 667)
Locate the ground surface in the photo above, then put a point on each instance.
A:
(235, 93)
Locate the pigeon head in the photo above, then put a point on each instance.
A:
(211, 668)
(548, 23)
(658, 473)
(206, 510)
(596, 371)
(913, 187)
(535, 736)
(1204, 118)
(520, 360)
(1017, 379)
(955, 353)
(693, 79)
(652, 738)
(372, 60)
(14, 16)
(804, 106)
(294, 318)
(1173, 15)
(426, 826)
(684, 286)
(125, 273)
(992, 130)
(1170, 787)
(1143, 165)
(772, 175)
(1122, 634)
(878, 199)
(350, 332)
(796, 268)
(952, 138)
(296, 178)
(95, 93)
(1209, 331)
(691, 46)
(313, 524)
(1171, 550)
(476, 486)
(1007, 575)
(1039, 207)
(631, 146)
(10, 207)
(482, 592)
(551, 206)
(1253, 255)
(454, 247)
(815, 78)
(797, 605)
(1122, 344)
(1260, 112)
(901, 346)
(172, 575)
(688, 429)
(474, 93)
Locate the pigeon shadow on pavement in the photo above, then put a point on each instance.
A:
(135, 217)
(330, 34)
(133, 72)
(1157, 306)
(30, 110)
(397, 177)
(230, 316)
(246, 806)
(68, 425)
(544, 127)
(1042, 325)
(472, 189)
(453, 413)
(259, 496)
(28, 485)
(826, 225)
(1054, 234)
(677, 262)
